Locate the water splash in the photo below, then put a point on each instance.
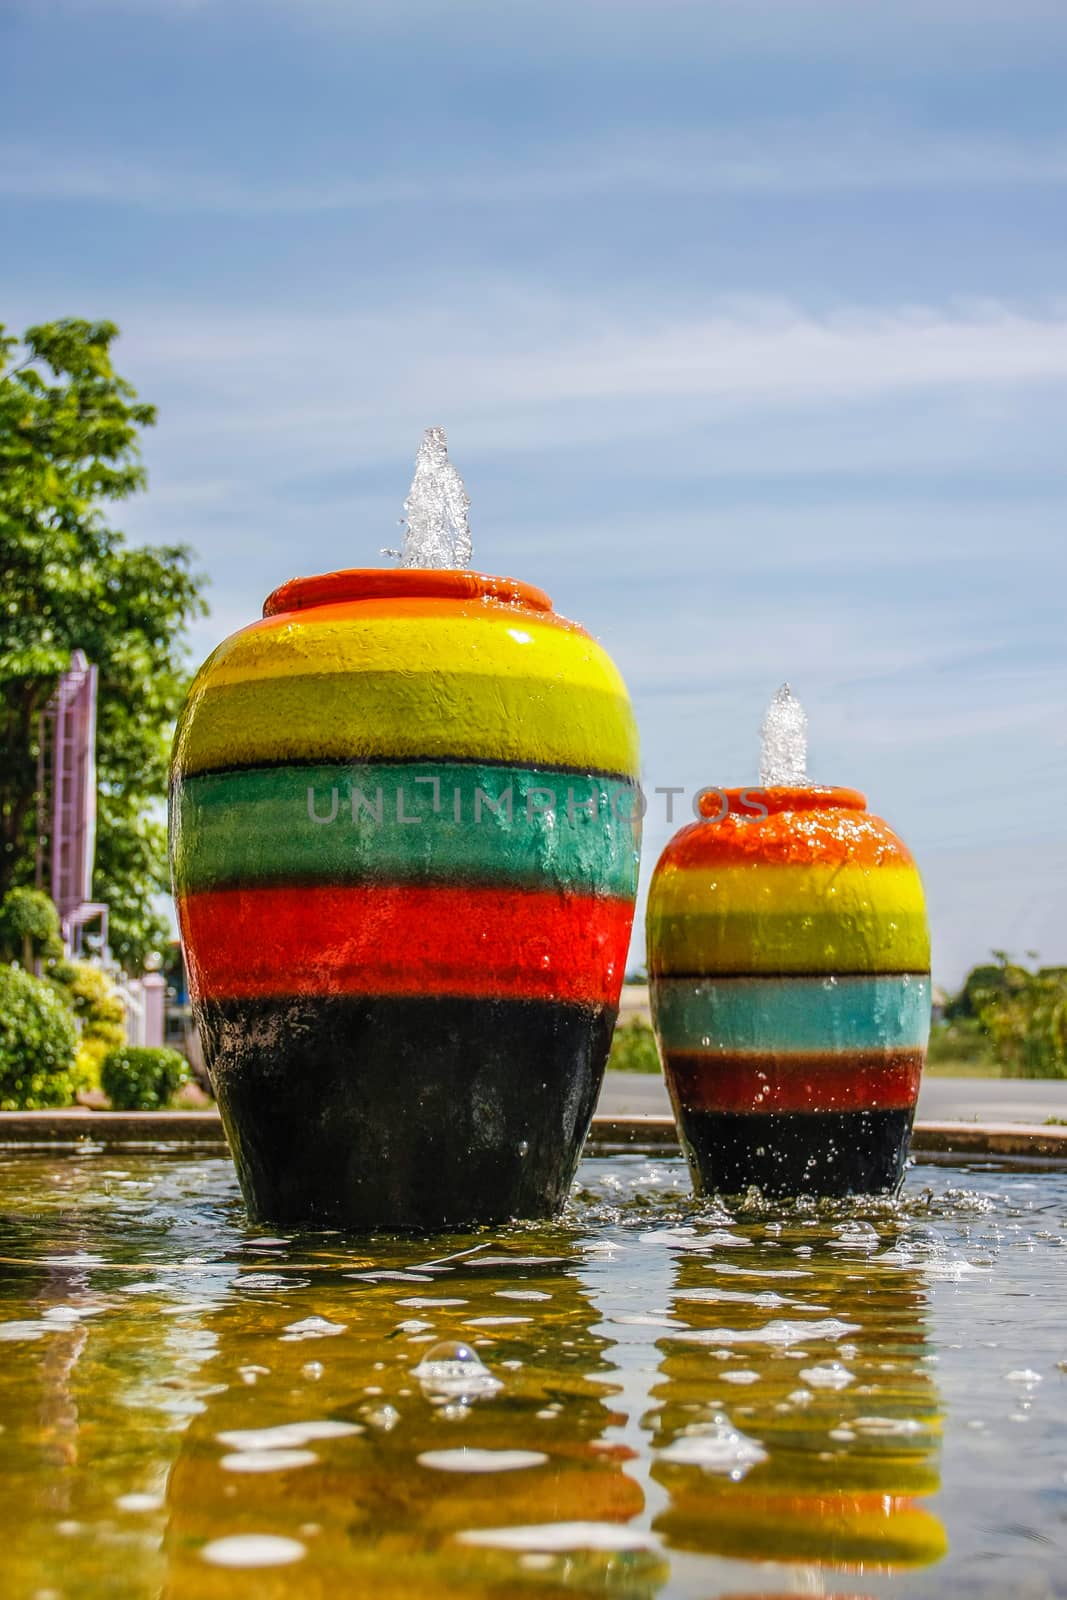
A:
(784, 747)
(436, 527)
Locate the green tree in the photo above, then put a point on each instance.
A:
(982, 984)
(69, 431)
(1024, 1014)
(29, 928)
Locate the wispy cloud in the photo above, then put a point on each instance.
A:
(530, 371)
(768, 160)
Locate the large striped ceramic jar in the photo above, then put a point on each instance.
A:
(789, 962)
(404, 846)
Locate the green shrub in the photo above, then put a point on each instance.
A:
(38, 1039)
(1025, 1017)
(961, 1040)
(633, 1048)
(101, 1014)
(142, 1079)
(29, 927)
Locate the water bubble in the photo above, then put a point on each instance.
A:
(832, 1375)
(451, 1371)
(312, 1328)
(312, 1369)
(455, 1410)
(384, 1418)
(716, 1447)
(855, 1235)
(779, 1332)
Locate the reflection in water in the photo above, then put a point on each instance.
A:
(401, 1467)
(656, 1398)
(798, 1420)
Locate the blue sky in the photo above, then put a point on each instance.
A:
(747, 320)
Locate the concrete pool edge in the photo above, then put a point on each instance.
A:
(931, 1141)
(637, 1133)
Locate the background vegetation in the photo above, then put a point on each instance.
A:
(38, 1039)
(69, 446)
(138, 1079)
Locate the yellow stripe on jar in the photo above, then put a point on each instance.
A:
(365, 716)
(478, 641)
(766, 919)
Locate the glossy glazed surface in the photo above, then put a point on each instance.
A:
(789, 966)
(406, 789)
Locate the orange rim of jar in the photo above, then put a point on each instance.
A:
(743, 804)
(401, 583)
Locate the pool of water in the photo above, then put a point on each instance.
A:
(655, 1397)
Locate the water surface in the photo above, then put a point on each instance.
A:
(658, 1397)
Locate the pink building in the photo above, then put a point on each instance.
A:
(67, 790)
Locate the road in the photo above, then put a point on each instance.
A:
(940, 1099)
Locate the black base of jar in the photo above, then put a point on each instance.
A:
(822, 1153)
(404, 1114)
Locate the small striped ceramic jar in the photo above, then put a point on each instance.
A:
(404, 842)
(789, 963)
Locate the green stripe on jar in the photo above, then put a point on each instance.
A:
(406, 822)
